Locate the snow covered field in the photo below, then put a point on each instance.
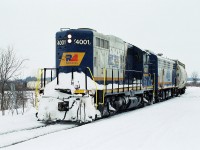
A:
(170, 125)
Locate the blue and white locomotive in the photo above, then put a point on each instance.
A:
(99, 75)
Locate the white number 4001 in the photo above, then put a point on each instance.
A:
(82, 42)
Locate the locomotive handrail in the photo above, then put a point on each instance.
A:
(123, 70)
(124, 79)
(132, 71)
(43, 75)
(128, 78)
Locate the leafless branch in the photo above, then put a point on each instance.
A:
(10, 67)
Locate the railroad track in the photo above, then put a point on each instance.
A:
(29, 128)
(15, 137)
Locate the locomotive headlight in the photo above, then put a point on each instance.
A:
(69, 36)
(69, 40)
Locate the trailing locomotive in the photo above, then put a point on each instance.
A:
(99, 75)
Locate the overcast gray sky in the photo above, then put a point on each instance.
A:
(171, 27)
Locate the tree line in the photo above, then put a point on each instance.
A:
(193, 81)
(10, 69)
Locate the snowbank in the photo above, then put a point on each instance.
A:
(170, 125)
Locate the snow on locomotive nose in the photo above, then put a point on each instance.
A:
(60, 102)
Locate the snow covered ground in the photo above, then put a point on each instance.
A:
(170, 125)
(11, 123)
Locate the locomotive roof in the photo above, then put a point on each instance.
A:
(165, 59)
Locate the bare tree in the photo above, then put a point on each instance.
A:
(195, 77)
(10, 67)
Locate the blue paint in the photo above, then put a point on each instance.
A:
(74, 35)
